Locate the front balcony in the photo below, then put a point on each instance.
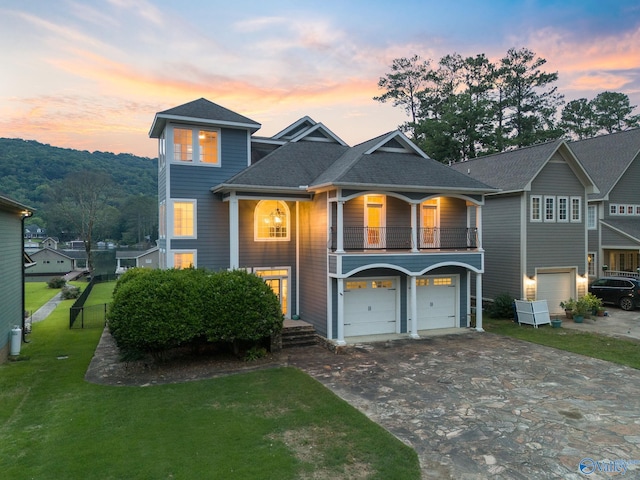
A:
(402, 239)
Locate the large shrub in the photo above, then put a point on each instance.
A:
(157, 310)
(56, 282)
(502, 306)
(240, 306)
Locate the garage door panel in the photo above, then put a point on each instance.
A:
(554, 288)
(436, 302)
(369, 310)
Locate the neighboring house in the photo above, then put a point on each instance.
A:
(364, 240)
(613, 217)
(51, 262)
(34, 231)
(12, 263)
(50, 242)
(132, 258)
(534, 228)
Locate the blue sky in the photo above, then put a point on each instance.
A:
(91, 74)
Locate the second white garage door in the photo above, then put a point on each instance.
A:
(554, 288)
(436, 299)
(370, 306)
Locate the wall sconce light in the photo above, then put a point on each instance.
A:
(605, 268)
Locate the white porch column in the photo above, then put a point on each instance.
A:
(479, 302)
(339, 227)
(234, 247)
(414, 308)
(340, 306)
(414, 230)
(479, 224)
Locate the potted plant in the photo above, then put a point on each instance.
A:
(568, 306)
(582, 308)
(595, 304)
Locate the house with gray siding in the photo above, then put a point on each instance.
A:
(12, 263)
(613, 215)
(535, 226)
(51, 262)
(359, 240)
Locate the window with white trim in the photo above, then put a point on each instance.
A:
(549, 209)
(196, 146)
(272, 221)
(183, 260)
(576, 209)
(563, 209)
(591, 263)
(184, 218)
(536, 208)
(591, 217)
(162, 211)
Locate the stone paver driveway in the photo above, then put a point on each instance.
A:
(477, 405)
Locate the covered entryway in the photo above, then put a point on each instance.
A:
(370, 306)
(437, 300)
(555, 287)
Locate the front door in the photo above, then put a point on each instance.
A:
(278, 281)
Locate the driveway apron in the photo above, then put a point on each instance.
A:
(477, 405)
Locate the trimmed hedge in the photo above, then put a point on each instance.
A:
(154, 311)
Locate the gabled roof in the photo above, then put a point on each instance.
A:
(201, 112)
(388, 161)
(134, 253)
(607, 158)
(61, 253)
(515, 170)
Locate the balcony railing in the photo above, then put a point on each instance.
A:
(401, 238)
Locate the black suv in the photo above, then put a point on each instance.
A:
(621, 291)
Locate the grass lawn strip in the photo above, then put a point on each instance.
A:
(276, 423)
(617, 350)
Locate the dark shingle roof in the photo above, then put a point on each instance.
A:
(204, 111)
(290, 166)
(630, 226)
(512, 170)
(317, 164)
(607, 157)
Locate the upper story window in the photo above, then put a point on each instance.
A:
(271, 221)
(536, 208)
(576, 209)
(182, 145)
(196, 146)
(184, 218)
(549, 209)
(162, 153)
(208, 143)
(563, 209)
(624, 209)
(591, 217)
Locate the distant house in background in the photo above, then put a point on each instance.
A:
(51, 262)
(534, 228)
(12, 262)
(34, 231)
(50, 242)
(613, 216)
(135, 258)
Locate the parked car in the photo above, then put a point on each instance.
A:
(621, 291)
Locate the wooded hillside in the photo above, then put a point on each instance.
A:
(29, 168)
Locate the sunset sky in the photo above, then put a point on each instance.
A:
(90, 75)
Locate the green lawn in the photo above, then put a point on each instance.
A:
(36, 294)
(624, 352)
(269, 424)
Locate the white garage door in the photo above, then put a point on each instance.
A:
(370, 306)
(436, 299)
(554, 288)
